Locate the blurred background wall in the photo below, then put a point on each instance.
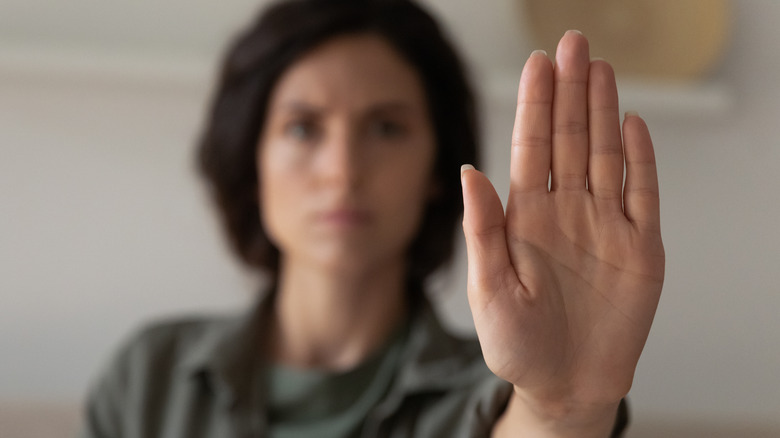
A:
(103, 224)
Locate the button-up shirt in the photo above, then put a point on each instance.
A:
(203, 378)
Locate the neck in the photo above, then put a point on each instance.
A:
(335, 321)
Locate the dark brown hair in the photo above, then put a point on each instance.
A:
(258, 57)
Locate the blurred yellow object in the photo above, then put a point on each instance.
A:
(653, 39)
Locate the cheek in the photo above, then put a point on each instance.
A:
(274, 183)
(411, 191)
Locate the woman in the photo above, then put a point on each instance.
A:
(333, 150)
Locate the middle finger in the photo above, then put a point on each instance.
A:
(570, 113)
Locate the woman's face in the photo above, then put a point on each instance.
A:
(346, 157)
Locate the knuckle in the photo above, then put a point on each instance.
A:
(608, 149)
(531, 141)
(571, 127)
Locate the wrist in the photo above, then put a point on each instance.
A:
(525, 417)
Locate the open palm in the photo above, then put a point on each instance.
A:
(563, 286)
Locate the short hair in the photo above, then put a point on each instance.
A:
(254, 62)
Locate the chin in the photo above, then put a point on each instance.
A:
(349, 261)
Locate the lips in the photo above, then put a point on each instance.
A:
(345, 217)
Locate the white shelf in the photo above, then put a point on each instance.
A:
(702, 99)
(706, 99)
(657, 99)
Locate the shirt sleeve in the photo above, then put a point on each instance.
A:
(491, 399)
(621, 422)
(107, 398)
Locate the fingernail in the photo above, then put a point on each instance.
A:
(631, 114)
(465, 167)
(597, 58)
(539, 52)
(574, 31)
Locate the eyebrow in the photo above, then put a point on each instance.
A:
(302, 107)
(307, 108)
(393, 106)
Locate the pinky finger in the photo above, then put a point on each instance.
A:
(640, 195)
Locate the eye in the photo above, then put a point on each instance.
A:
(302, 130)
(387, 129)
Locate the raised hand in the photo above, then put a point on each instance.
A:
(564, 286)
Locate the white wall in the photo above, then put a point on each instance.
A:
(103, 223)
(714, 351)
(714, 348)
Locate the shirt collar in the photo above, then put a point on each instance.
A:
(229, 354)
(437, 360)
(226, 356)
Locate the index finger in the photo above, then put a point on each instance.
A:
(531, 138)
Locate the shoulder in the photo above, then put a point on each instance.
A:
(152, 356)
(447, 388)
(163, 343)
(441, 357)
(142, 370)
(170, 336)
(452, 363)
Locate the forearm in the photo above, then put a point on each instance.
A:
(522, 419)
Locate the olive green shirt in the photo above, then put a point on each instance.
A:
(199, 378)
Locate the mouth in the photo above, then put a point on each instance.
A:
(344, 217)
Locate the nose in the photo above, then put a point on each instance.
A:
(341, 159)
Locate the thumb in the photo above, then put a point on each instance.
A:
(483, 226)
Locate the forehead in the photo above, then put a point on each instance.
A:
(354, 71)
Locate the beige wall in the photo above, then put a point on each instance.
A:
(103, 224)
